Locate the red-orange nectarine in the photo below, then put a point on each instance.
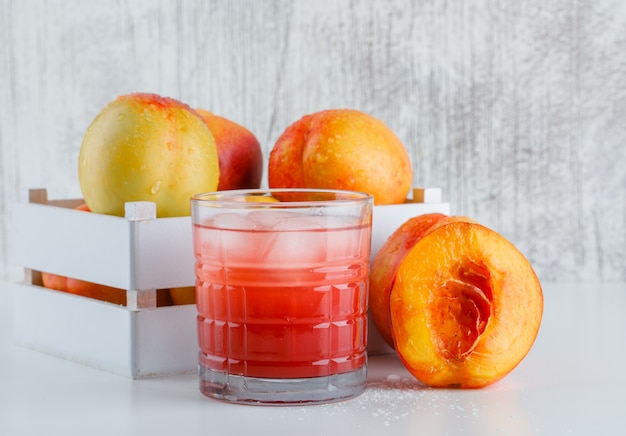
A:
(342, 149)
(239, 153)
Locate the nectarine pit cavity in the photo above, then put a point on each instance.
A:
(462, 310)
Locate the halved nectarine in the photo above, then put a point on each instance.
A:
(465, 306)
(385, 265)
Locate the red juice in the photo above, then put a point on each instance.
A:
(281, 301)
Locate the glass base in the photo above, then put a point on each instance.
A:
(282, 392)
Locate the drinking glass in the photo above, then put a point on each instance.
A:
(281, 286)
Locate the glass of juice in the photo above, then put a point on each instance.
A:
(281, 293)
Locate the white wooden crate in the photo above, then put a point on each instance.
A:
(138, 253)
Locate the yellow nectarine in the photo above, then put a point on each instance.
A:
(143, 147)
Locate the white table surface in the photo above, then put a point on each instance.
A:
(572, 382)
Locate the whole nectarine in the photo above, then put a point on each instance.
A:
(285, 162)
(96, 291)
(83, 288)
(239, 153)
(342, 149)
(144, 147)
(465, 306)
(184, 295)
(54, 281)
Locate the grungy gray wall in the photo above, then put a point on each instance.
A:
(516, 109)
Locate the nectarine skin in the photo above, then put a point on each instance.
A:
(54, 281)
(342, 149)
(184, 295)
(239, 153)
(96, 291)
(144, 147)
(465, 307)
(285, 162)
(83, 288)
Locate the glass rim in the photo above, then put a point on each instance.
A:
(232, 197)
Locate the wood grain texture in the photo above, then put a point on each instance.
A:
(516, 109)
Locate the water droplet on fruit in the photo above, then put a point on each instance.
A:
(156, 187)
(321, 157)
